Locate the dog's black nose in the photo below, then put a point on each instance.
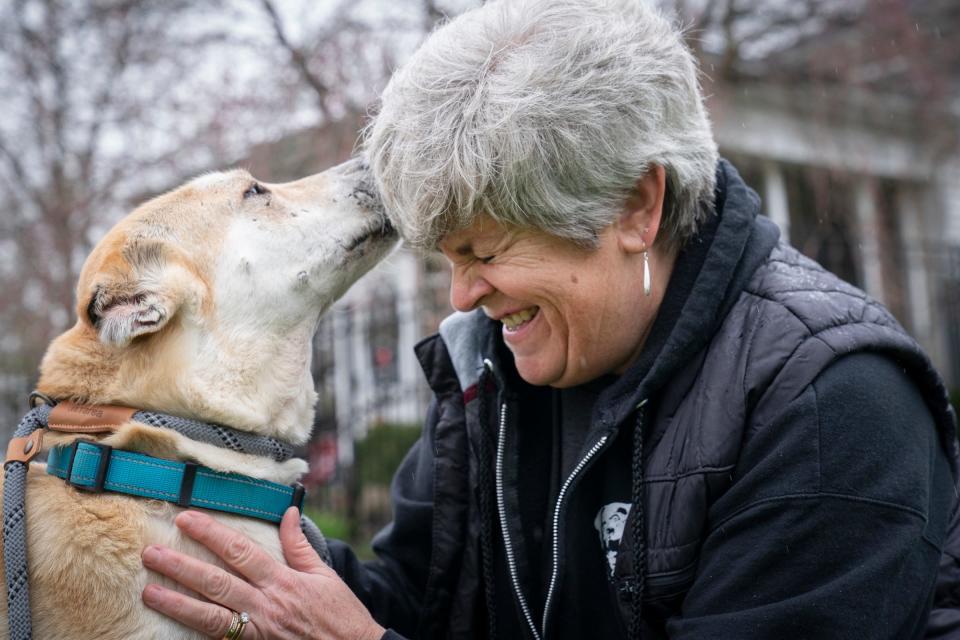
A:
(367, 197)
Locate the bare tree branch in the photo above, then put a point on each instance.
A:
(98, 95)
(299, 60)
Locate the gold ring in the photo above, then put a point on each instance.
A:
(237, 624)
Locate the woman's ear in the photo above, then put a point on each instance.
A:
(639, 223)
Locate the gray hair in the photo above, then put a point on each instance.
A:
(544, 114)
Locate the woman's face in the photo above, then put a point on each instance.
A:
(569, 314)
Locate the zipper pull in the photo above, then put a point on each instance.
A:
(497, 378)
(498, 382)
(627, 587)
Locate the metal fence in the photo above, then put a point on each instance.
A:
(373, 396)
(366, 375)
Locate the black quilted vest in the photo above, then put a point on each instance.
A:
(760, 324)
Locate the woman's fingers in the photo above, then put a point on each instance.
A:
(308, 600)
(234, 548)
(300, 555)
(205, 617)
(211, 582)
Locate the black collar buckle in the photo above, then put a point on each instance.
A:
(100, 476)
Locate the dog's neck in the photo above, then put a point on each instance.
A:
(260, 385)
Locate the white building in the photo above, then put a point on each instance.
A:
(862, 189)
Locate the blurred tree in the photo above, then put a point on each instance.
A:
(735, 34)
(887, 46)
(106, 102)
(91, 99)
(346, 56)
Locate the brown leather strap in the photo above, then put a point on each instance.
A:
(25, 449)
(88, 418)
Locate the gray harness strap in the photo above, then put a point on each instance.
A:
(15, 531)
(218, 435)
(15, 490)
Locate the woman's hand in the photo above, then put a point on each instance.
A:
(304, 600)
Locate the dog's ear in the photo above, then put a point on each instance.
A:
(121, 317)
(135, 299)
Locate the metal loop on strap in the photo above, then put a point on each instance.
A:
(36, 398)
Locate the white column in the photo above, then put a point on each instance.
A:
(342, 386)
(776, 203)
(944, 201)
(362, 369)
(911, 227)
(947, 186)
(408, 316)
(868, 237)
(920, 223)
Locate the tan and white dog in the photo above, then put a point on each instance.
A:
(202, 303)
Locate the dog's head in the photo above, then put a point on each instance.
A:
(229, 249)
(208, 295)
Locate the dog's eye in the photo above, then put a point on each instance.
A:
(256, 189)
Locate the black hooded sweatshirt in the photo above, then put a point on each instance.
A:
(786, 450)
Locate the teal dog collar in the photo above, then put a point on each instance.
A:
(96, 467)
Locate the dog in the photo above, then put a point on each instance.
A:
(202, 303)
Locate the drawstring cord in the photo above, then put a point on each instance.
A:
(638, 543)
(486, 500)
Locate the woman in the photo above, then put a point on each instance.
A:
(651, 418)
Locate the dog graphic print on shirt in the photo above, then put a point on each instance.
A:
(609, 523)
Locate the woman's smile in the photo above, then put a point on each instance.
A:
(513, 322)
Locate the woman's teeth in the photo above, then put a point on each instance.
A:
(515, 320)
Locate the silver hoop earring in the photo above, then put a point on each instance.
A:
(646, 274)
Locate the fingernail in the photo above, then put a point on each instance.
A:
(151, 554)
(188, 517)
(152, 593)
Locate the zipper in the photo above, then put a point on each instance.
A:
(556, 525)
(502, 510)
